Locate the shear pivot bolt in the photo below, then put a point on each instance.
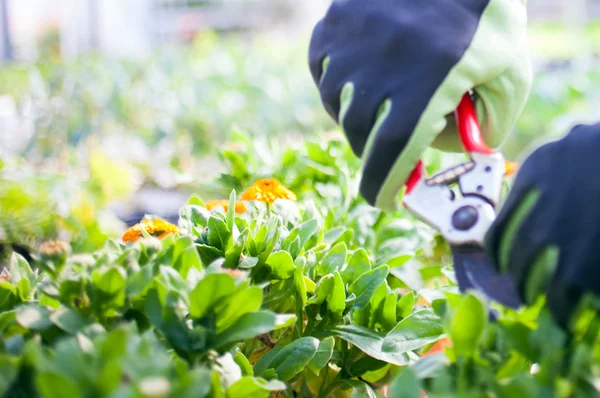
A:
(465, 218)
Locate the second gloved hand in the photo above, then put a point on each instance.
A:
(547, 234)
(391, 71)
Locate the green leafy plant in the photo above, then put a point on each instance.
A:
(323, 297)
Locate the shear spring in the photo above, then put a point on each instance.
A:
(451, 175)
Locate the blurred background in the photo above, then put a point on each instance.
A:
(110, 109)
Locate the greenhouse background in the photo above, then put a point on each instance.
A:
(151, 87)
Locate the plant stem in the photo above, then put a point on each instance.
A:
(332, 386)
(299, 319)
(462, 382)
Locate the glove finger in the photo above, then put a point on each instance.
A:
(505, 221)
(316, 53)
(362, 111)
(385, 145)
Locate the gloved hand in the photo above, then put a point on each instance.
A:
(547, 234)
(391, 71)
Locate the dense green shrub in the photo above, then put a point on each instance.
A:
(325, 297)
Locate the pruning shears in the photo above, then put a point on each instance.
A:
(464, 215)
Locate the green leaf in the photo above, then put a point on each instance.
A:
(322, 356)
(333, 235)
(281, 264)
(262, 365)
(334, 260)
(47, 301)
(367, 365)
(218, 233)
(9, 369)
(20, 268)
(361, 389)
(175, 328)
(387, 315)
(430, 366)
(172, 279)
(248, 262)
(234, 253)
(208, 254)
(24, 290)
(139, 282)
(364, 287)
(250, 387)
(8, 296)
(258, 243)
(405, 305)
(209, 292)
(231, 211)
(369, 342)
(358, 265)
(406, 385)
(216, 387)
(243, 363)
(295, 247)
(299, 282)
(303, 231)
(242, 302)
(195, 200)
(293, 358)
(375, 304)
(336, 300)
(417, 330)
(322, 290)
(55, 385)
(246, 326)
(467, 325)
(396, 252)
(185, 256)
(111, 282)
(33, 317)
(68, 320)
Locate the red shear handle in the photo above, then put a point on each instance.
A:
(468, 127)
(417, 174)
(469, 133)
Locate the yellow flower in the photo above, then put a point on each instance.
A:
(159, 228)
(240, 207)
(268, 191)
(510, 168)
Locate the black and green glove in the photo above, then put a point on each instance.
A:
(547, 234)
(391, 71)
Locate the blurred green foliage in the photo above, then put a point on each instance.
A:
(96, 129)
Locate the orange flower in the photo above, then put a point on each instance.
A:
(240, 207)
(268, 191)
(157, 227)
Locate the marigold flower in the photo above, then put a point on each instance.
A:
(268, 191)
(240, 207)
(156, 227)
